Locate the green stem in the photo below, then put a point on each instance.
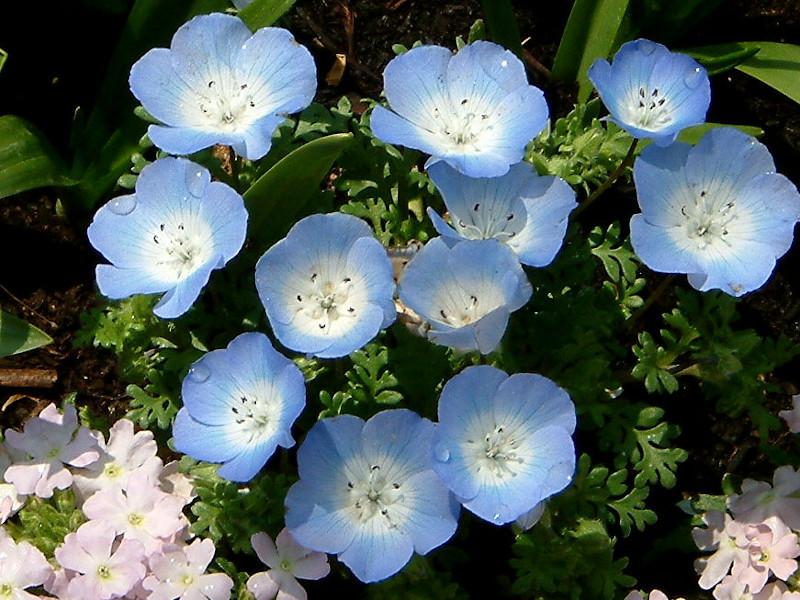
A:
(626, 162)
(659, 291)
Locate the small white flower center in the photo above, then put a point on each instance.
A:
(179, 249)
(373, 497)
(104, 572)
(187, 579)
(706, 221)
(649, 110)
(463, 124)
(325, 301)
(135, 519)
(497, 220)
(286, 565)
(497, 452)
(256, 417)
(6, 590)
(225, 104)
(112, 470)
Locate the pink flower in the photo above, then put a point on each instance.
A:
(103, 574)
(143, 512)
(720, 535)
(759, 500)
(289, 561)
(176, 483)
(21, 566)
(771, 548)
(48, 444)
(180, 572)
(125, 453)
(654, 595)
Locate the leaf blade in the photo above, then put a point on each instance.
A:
(18, 336)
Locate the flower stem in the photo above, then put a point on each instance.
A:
(626, 162)
(659, 291)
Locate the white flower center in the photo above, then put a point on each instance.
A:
(649, 110)
(458, 306)
(225, 104)
(497, 452)
(322, 301)
(6, 590)
(463, 124)
(499, 220)
(256, 418)
(104, 572)
(179, 248)
(706, 221)
(373, 497)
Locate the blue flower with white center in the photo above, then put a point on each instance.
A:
(652, 93)
(169, 235)
(368, 494)
(474, 109)
(465, 292)
(503, 444)
(716, 211)
(327, 287)
(218, 83)
(239, 405)
(526, 212)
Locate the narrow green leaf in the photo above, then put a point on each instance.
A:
(776, 64)
(590, 33)
(263, 13)
(3, 58)
(691, 135)
(18, 336)
(281, 192)
(27, 160)
(725, 62)
(110, 131)
(502, 25)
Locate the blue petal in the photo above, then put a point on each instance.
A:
(316, 521)
(661, 186)
(201, 441)
(377, 553)
(449, 235)
(661, 249)
(548, 473)
(400, 438)
(117, 283)
(433, 512)
(181, 297)
(284, 69)
(186, 140)
(247, 464)
(414, 84)
(546, 404)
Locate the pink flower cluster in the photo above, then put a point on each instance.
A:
(754, 545)
(136, 543)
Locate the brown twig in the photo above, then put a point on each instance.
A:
(626, 162)
(26, 307)
(28, 378)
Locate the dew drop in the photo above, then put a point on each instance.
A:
(693, 78)
(198, 373)
(196, 183)
(123, 205)
(441, 453)
(504, 63)
(496, 517)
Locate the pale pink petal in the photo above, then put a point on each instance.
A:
(265, 549)
(262, 586)
(216, 586)
(792, 417)
(313, 566)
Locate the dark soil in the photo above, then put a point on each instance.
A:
(46, 273)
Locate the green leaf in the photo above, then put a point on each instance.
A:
(590, 34)
(111, 133)
(4, 57)
(776, 64)
(27, 160)
(692, 135)
(18, 336)
(263, 13)
(280, 193)
(501, 24)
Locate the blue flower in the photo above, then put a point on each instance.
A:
(220, 84)
(474, 110)
(327, 286)
(652, 92)
(503, 444)
(526, 212)
(465, 292)
(717, 211)
(367, 493)
(168, 236)
(239, 405)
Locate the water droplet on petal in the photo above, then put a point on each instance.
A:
(496, 517)
(441, 453)
(693, 78)
(504, 63)
(198, 373)
(123, 205)
(196, 183)
(647, 47)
